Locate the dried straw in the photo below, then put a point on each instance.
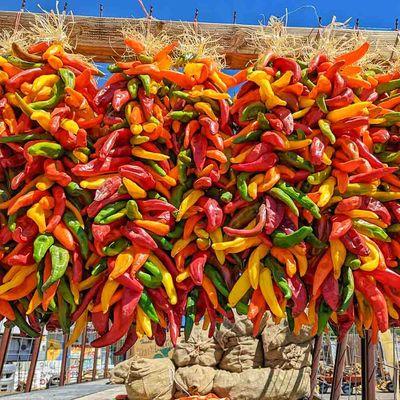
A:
(7, 38)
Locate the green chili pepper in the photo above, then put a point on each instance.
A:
(156, 167)
(116, 247)
(148, 307)
(371, 230)
(182, 174)
(324, 313)
(290, 319)
(389, 156)
(66, 293)
(244, 216)
(25, 137)
(190, 313)
(226, 197)
(120, 125)
(23, 105)
(133, 87)
(41, 244)
(113, 68)
(78, 232)
(68, 77)
(99, 267)
(249, 137)
(108, 211)
(388, 86)
(352, 261)
(132, 210)
(21, 323)
(251, 111)
(177, 232)
(280, 239)
(183, 116)
(74, 190)
(395, 228)
(162, 242)
(153, 278)
(325, 127)
(184, 157)
(315, 242)
(301, 198)
(263, 122)
(379, 147)
(242, 186)
(293, 159)
(59, 264)
(46, 149)
(12, 222)
(177, 194)
(320, 101)
(306, 80)
(58, 90)
(146, 81)
(318, 177)
(347, 288)
(282, 196)
(62, 315)
(23, 64)
(181, 95)
(355, 189)
(279, 276)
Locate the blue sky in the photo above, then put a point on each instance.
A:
(248, 11)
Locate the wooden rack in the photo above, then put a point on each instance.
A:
(101, 39)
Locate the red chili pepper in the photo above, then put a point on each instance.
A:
(394, 208)
(316, 61)
(286, 117)
(273, 139)
(287, 64)
(258, 150)
(375, 298)
(275, 213)
(368, 203)
(130, 340)
(108, 188)
(364, 152)
(312, 117)
(108, 165)
(299, 295)
(262, 219)
(340, 226)
(196, 266)
(379, 135)
(370, 176)
(213, 212)
(136, 172)
(355, 243)
(138, 235)
(330, 292)
(317, 149)
(96, 206)
(59, 207)
(25, 231)
(265, 162)
(199, 150)
(54, 170)
(341, 100)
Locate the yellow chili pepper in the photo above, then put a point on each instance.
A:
(123, 261)
(134, 190)
(239, 289)
(298, 144)
(37, 214)
(301, 113)
(144, 321)
(148, 155)
(185, 274)
(167, 279)
(391, 310)
(217, 237)
(370, 262)
(44, 80)
(386, 196)
(282, 81)
(241, 157)
(34, 303)
(284, 256)
(302, 262)
(211, 94)
(44, 183)
(76, 212)
(153, 226)
(250, 242)
(42, 118)
(81, 156)
(305, 102)
(108, 290)
(267, 289)
(180, 244)
(254, 264)
(326, 189)
(190, 200)
(338, 255)
(206, 322)
(88, 282)
(361, 214)
(78, 328)
(352, 110)
(17, 279)
(94, 182)
(206, 109)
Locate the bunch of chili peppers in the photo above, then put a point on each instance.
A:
(315, 207)
(158, 197)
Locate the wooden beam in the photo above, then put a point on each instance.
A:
(82, 355)
(64, 360)
(368, 367)
(106, 362)
(315, 364)
(340, 362)
(32, 365)
(5, 341)
(101, 38)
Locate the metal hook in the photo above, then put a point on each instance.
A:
(357, 25)
(65, 7)
(151, 12)
(396, 24)
(320, 22)
(101, 9)
(234, 17)
(196, 15)
(23, 5)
